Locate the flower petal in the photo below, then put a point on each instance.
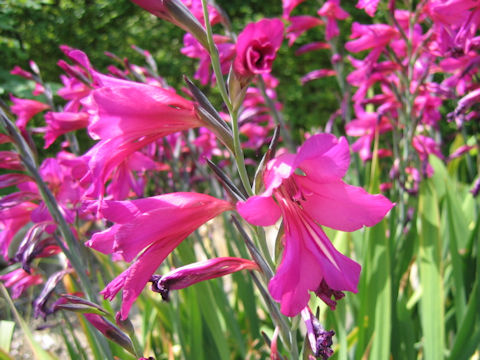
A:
(341, 206)
(324, 157)
(259, 210)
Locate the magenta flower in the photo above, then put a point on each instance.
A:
(333, 12)
(299, 25)
(375, 36)
(200, 271)
(127, 118)
(59, 123)
(25, 109)
(19, 280)
(307, 190)
(12, 220)
(17, 70)
(370, 6)
(288, 6)
(151, 227)
(257, 47)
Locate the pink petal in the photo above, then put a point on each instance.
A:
(309, 257)
(324, 157)
(341, 206)
(140, 272)
(259, 210)
(278, 169)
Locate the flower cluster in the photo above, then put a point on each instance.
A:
(144, 186)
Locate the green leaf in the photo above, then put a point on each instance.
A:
(458, 232)
(375, 297)
(38, 352)
(6, 334)
(431, 271)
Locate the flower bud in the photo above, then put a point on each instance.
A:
(200, 271)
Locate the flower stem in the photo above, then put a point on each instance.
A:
(237, 149)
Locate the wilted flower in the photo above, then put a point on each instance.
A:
(320, 339)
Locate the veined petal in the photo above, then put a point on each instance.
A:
(324, 157)
(278, 169)
(259, 210)
(156, 219)
(104, 241)
(298, 272)
(140, 272)
(341, 206)
(308, 258)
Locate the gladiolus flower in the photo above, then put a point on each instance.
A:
(299, 25)
(25, 109)
(288, 6)
(370, 36)
(19, 280)
(200, 271)
(306, 189)
(153, 227)
(126, 118)
(177, 13)
(370, 6)
(257, 47)
(59, 123)
(333, 12)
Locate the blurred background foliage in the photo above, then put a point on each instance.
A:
(34, 29)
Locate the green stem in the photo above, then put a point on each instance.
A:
(238, 154)
(237, 149)
(212, 49)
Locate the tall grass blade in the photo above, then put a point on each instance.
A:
(38, 352)
(431, 271)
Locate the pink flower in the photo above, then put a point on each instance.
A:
(375, 36)
(19, 280)
(110, 331)
(333, 12)
(299, 25)
(306, 189)
(193, 49)
(288, 6)
(17, 70)
(176, 12)
(59, 123)
(25, 109)
(126, 118)
(370, 6)
(152, 227)
(200, 271)
(12, 220)
(257, 47)
(317, 74)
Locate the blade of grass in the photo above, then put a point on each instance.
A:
(381, 288)
(457, 229)
(431, 269)
(4, 355)
(38, 352)
(6, 334)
